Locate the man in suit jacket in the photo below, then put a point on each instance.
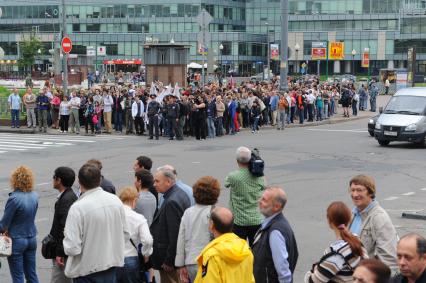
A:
(63, 179)
(166, 222)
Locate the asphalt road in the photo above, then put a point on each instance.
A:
(313, 164)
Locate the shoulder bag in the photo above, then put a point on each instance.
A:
(5, 245)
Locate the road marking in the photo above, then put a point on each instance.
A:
(1, 151)
(35, 142)
(391, 198)
(42, 184)
(26, 144)
(196, 162)
(20, 146)
(409, 194)
(349, 131)
(424, 189)
(18, 149)
(41, 220)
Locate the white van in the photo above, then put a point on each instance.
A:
(403, 118)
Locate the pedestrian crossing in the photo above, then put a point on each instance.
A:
(23, 143)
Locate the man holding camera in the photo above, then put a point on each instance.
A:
(246, 190)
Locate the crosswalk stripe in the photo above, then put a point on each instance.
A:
(1, 151)
(35, 141)
(32, 144)
(71, 136)
(21, 146)
(15, 149)
(56, 139)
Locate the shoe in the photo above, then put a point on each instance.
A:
(77, 133)
(17, 127)
(157, 138)
(170, 139)
(62, 131)
(13, 127)
(151, 138)
(252, 132)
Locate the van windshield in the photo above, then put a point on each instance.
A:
(408, 105)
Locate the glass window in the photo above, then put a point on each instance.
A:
(389, 47)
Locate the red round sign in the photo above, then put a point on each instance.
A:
(66, 45)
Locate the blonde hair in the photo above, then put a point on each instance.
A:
(128, 194)
(22, 178)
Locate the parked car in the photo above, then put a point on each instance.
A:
(404, 118)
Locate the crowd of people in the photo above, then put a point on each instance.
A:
(203, 112)
(159, 223)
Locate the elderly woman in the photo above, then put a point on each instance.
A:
(18, 223)
(139, 234)
(371, 271)
(194, 232)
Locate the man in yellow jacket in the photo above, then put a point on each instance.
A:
(226, 259)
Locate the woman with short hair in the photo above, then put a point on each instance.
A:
(139, 234)
(18, 222)
(194, 232)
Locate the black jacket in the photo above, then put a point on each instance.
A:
(165, 226)
(401, 279)
(62, 206)
(107, 186)
(264, 269)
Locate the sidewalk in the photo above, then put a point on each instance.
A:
(337, 118)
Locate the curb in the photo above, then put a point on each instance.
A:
(415, 215)
(306, 124)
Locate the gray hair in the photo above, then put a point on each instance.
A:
(167, 172)
(243, 155)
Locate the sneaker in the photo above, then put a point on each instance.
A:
(252, 132)
(62, 131)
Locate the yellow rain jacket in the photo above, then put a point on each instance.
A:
(226, 259)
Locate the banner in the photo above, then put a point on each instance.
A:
(365, 61)
(336, 51)
(275, 52)
(319, 53)
(101, 50)
(401, 80)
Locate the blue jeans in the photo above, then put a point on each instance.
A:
(219, 126)
(129, 273)
(23, 260)
(319, 114)
(118, 121)
(15, 118)
(255, 124)
(109, 275)
(301, 117)
(210, 127)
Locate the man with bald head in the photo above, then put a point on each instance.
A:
(228, 257)
(275, 247)
(166, 222)
(411, 257)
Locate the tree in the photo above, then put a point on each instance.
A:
(29, 49)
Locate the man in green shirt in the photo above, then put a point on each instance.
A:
(246, 191)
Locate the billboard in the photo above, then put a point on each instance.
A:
(319, 50)
(275, 52)
(336, 51)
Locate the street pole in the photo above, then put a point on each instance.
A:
(284, 45)
(326, 66)
(353, 65)
(65, 55)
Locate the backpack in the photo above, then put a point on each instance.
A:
(256, 164)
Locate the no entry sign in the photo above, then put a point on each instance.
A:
(66, 45)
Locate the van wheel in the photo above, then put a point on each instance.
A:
(383, 142)
(371, 133)
(422, 142)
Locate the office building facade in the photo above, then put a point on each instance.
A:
(238, 33)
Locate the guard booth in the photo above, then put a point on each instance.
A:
(166, 62)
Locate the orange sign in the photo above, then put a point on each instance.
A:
(365, 62)
(336, 51)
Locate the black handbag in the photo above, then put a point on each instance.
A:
(48, 247)
(143, 266)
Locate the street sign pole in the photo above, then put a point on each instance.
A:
(284, 45)
(65, 55)
(203, 20)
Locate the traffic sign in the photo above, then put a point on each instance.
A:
(66, 45)
(204, 19)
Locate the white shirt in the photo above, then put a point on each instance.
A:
(108, 102)
(95, 233)
(139, 233)
(75, 102)
(135, 109)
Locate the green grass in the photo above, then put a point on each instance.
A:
(421, 84)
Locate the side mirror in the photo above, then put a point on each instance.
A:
(380, 110)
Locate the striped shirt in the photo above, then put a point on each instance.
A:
(336, 267)
(246, 191)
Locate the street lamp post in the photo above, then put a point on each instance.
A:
(221, 64)
(284, 45)
(268, 64)
(297, 48)
(353, 61)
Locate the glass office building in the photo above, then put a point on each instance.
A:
(243, 28)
